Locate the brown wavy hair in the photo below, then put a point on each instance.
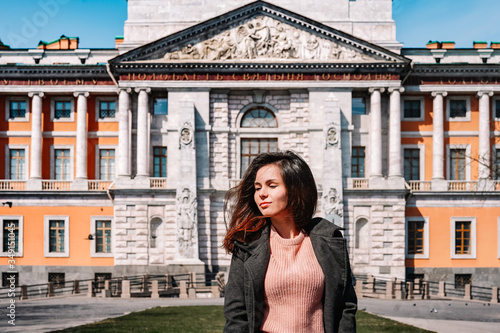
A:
(246, 221)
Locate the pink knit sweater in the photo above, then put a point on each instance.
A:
(293, 286)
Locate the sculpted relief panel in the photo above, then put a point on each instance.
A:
(264, 38)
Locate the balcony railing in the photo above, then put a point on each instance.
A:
(158, 182)
(99, 185)
(56, 185)
(417, 185)
(462, 185)
(360, 183)
(16, 185)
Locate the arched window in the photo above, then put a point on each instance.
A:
(362, 234)
(155, 232)
(256, 144)
(259, 118)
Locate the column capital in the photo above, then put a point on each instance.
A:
(127, 90)
(83, 93)
(139, 89)
(393, 89)
(442, 93)
(481, 93)
(372, 90)
(38, 93)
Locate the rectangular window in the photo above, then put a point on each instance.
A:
(358, 105)
(358, 162)
(160, 161)
(412, 109)
(102, 236)
(412, 164)
(56, 234)
(496, 111)
(250, 148)
(107, 164)
(17, 164)
(58, 279)
(62, 163)
(107, 109)
(496, 168)
(461, 280)
(17, 109)
(160, 106)
(462, 237)
(62, 109)
(10, 235)
(10, 278)
(457, 164)
(415, 237)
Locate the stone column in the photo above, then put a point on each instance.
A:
(484, 134)
(124, 133)
(395, 132)
(375, 132)
(142, 132)
(81, 135)
(438, 135)
(36, 141)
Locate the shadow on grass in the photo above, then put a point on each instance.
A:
(209, 319)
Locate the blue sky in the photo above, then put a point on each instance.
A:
(23, 23)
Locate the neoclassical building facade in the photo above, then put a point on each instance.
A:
(117, 161)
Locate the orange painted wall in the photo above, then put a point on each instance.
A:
(79, 229)
(440, 237)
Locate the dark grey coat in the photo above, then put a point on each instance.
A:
(244, 304)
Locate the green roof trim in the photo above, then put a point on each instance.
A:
(480, 42)
(119, 37)
(448, 41)
(495, 42)
(432, 42)
(56, 40)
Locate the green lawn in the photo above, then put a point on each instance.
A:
(209, 319)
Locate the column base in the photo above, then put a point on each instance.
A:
(80, 184)
(142, 182)
(34, 184)
(439, 185)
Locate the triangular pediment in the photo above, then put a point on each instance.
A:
(260, 33)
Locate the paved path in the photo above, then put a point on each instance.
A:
(438, 316)
(44, 315)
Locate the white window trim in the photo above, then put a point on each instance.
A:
(98, 101)
(98, 149)
(425, 255)
(421, 148)
(53, 162)
(255, 133)
(8, 148)
(26, 117)
(53, 109)
(467, 159)
(20, 247)
(493, 108)
(472, 254)
(422, 107)
(93, 232)
(46, 236)
(467, 106)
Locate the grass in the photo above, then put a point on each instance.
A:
(187, 319)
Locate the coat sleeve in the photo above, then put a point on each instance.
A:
(348, 320)
(235, 309)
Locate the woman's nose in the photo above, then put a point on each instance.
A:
(263, 193)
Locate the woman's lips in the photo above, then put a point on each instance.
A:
(264, 204)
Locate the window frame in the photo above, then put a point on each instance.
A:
(364, 166)
(473, 234)
(467, 148)
(46, 236)
(53, 101)
(98, 101)
(422, 108)
(25, 99)
(98, 149)
(53, 149)
(153, 162)
(20, 246)
(10, 147)
(467, 106)
(421, 147)
(495, 162)
(93, 231)
(424, 219)
(495, 103)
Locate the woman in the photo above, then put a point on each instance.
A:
(289, 272)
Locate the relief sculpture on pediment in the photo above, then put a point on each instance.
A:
(266, 38)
